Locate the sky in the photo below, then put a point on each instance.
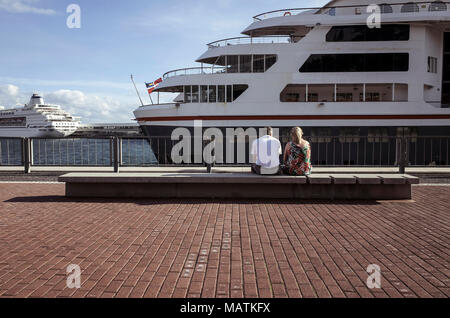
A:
(87, 70)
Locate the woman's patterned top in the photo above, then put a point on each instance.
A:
(299, 159)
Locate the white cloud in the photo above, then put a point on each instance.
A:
(24, 6)
(10, 90)
(9, 95)
(90, 107)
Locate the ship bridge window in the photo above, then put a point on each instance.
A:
(247, 63)
(410, 7)
(360, 33)
(437, 6)
(371, 62)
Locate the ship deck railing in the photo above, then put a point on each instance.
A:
(195, 71)
(275, 39)
(346, 10)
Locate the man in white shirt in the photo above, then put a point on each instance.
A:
(266, 153)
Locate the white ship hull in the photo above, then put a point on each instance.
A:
(31, 133)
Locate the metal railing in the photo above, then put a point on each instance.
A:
(398, 7)
(195, 71)
(275, 39)
(326, 151)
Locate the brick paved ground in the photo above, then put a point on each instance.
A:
(221, 249)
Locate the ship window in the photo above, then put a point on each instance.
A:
(212, 94)
(321, 93)
(221, 61)
(360, 33)
(245, 65)
(258, 64)
(248, 63)
(221, 94)
(410, 7)
(345, 93)
(204, 94)
(294, 93)
(447, 42)
(349, 92)
(378, 92)
(238, 90)
(401, 93)
(233, 63)
(432, 64)
(438, 6)
(446, 95)
(270, 61)
(195, 97)
(377, 62)
(386, 8)
(187, 94)
(229, 94)
(13, 122)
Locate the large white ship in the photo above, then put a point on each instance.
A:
(37, 119)
(322, 69)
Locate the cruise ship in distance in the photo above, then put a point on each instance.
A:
(322, 69)
(37, 119)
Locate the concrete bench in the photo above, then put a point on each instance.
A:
(240, 186)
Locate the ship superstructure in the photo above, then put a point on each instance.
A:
(323, 69)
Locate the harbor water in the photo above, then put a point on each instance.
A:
(77, 152)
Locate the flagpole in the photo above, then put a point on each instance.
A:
(137, 92)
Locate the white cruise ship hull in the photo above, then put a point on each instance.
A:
(31, 133)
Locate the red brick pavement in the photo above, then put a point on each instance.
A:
(156, 248)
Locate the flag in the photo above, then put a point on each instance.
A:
(153, 85)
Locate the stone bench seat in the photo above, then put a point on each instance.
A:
(240, 185)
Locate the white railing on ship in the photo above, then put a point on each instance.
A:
(398, 7)
(251, 40)
(195, 71)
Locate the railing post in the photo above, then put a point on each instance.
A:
(117, 154)
(403, 160)
(27, 153)
(210, 159)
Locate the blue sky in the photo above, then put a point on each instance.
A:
(87, 70)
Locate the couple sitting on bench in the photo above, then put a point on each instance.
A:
(266, 153)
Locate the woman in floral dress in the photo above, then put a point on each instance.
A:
(297, 156)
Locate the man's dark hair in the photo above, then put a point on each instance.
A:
(269, 131)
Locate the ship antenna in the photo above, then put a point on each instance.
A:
(137, 92)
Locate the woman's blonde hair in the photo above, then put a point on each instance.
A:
(297, 135)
